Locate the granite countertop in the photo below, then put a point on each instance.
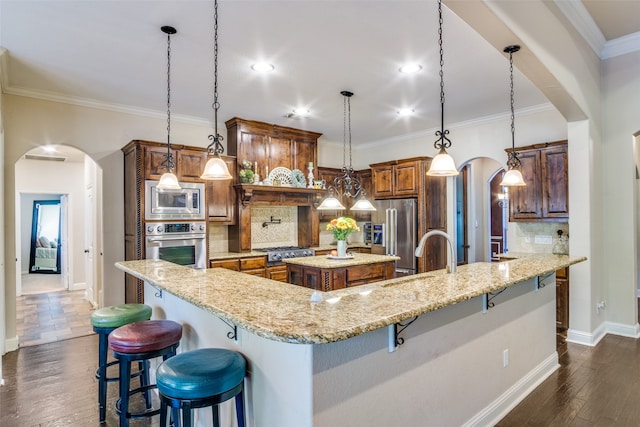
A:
(324, 261)
(284, 312)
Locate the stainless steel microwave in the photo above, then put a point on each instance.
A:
(187, 203)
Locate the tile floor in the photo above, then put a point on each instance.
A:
(46, 312)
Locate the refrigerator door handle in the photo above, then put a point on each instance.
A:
(387, 230)
(393, 238)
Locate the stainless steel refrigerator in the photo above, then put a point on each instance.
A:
(394, 231)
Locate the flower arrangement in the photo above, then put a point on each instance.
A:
(246, 174)
(342, 227)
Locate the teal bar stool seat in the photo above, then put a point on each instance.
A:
(141, 341)
(198, 379)
(104, 321)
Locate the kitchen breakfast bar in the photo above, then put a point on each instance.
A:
(433, 349)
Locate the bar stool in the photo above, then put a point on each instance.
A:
(201, 378)
(141, 341)
(104, 321)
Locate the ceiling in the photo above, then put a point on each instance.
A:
(112, 54)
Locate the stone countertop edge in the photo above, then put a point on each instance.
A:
(284, 312)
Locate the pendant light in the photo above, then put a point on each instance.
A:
(442, 164)
(347, 184)
(215, 168)
(513, 177)
(168, 180)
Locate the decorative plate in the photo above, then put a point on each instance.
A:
(298, 179)
(280, 174)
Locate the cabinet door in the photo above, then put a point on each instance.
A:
(562, 299)
(382, 177)
(252, 146)
(280, 154)
(221, 196)
(304, 151)
(406, 179)
(525, 201)
(555, 182)
(155, 158)
(190, 165)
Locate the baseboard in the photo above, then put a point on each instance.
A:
(631, 331)
(586, 338)
(78, 286)
(11, 344)
(500, 407)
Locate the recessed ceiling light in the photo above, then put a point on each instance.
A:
(262, 67)
(298, 113)
(410, 68)
(405, 111)
(49, 148)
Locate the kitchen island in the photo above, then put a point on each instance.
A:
(480, 340)
(329, 273)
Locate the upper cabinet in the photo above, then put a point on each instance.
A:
(545, 198)
(188, 164)
(272, 146)
(221, 196)
(396, 179)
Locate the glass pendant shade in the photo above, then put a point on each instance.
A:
(168, 181)
(513, 178)
(330, 203)
(442, 165)
(362, 204)
(216, 168)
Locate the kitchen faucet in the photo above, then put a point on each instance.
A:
(450, 268)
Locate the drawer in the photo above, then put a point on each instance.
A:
(262, 272)
(365, 272)
(253, 263)
(229, 264)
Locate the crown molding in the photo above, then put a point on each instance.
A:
(91, 103)
(621, 45)
(582, 21)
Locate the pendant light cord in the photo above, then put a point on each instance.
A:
(442, 142)
(215, 147)
(169, 161)
(512, 161)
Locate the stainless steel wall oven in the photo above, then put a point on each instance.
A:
(181, 243)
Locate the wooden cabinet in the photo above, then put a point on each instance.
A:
(221, 197)
(272, 146)
(562, 299)
(330, 279)
(545, 198)
(277, 272)
(256, 266)
(190, 164)
(396, 179)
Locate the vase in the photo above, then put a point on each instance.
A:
(342, 248)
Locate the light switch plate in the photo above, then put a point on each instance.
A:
(543, 239)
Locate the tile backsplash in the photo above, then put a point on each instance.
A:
(265, 234)
(534, 237)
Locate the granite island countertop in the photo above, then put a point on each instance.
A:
(284, 312)
(326, 261)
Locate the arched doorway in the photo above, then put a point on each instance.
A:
(72, 178)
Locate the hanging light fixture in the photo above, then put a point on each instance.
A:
(513, 177)
(442, 164)
(346, 184)
(168, 180)
(215, 168)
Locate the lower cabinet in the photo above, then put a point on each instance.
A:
(255, 266)
(330, 279)
(277, 272)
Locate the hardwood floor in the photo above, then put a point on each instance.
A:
(54, 385)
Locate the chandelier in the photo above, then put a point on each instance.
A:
(347, 185)
(168, 181)
(442, 164)
(513, 177)
(215, 168)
